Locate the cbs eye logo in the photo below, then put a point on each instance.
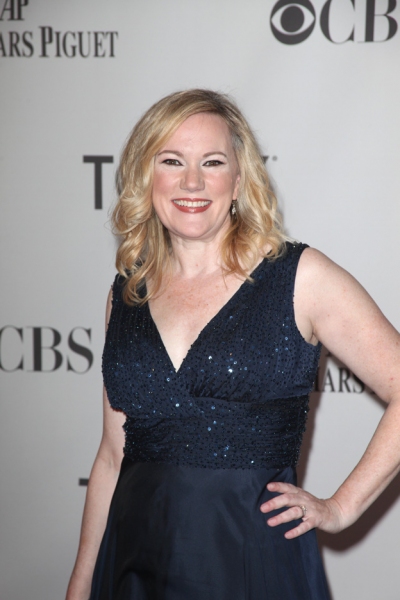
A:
(293, 21)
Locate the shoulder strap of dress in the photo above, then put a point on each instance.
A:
(289, 264)
(280, 273)
(117, 287)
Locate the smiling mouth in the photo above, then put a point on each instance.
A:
(191, 206)
(192, 203)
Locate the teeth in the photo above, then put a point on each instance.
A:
(191, 203)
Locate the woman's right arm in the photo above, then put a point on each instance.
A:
(102, 482)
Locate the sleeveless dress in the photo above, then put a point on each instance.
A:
(201, 445)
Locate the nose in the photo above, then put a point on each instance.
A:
(192, 179)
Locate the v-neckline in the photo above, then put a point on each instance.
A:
(206, 326)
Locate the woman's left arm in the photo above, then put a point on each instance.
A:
(333, 308)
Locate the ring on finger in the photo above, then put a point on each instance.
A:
(304, 510)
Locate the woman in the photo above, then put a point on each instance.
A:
(213, 340)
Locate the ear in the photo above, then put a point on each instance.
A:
(236, 188)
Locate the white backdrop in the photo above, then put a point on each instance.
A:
(326, 113)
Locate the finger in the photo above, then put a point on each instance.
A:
(280, 501)
(292, 514)
(305, 525)
(282, 487)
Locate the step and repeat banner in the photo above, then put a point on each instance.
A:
(319, 82)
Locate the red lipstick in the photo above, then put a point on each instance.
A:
(191, 205)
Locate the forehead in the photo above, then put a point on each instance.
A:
(203, 129)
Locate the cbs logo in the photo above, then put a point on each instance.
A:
(293, 21)
(44, 349)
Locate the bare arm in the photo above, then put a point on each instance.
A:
(332, 307)
(103, 479)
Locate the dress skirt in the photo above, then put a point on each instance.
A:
(183, 533)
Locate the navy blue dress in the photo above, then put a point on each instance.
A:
(201, 445)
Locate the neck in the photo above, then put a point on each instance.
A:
(193, 258)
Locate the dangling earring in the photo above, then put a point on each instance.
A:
(233, 208)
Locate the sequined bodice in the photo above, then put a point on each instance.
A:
(240, 397)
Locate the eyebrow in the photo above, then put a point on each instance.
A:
(180, 153)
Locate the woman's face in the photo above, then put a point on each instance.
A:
(196, 177)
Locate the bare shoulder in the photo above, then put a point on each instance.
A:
(332, 307)
(318, 281)
(322, 285)
(315, 266)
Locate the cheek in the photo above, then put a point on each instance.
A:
(226, 185)
(160, 183)
(161, 188)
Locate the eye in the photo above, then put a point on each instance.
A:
(171, 161)
(213, 163)
(292, 21)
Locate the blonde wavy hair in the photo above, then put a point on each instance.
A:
(144, 252)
